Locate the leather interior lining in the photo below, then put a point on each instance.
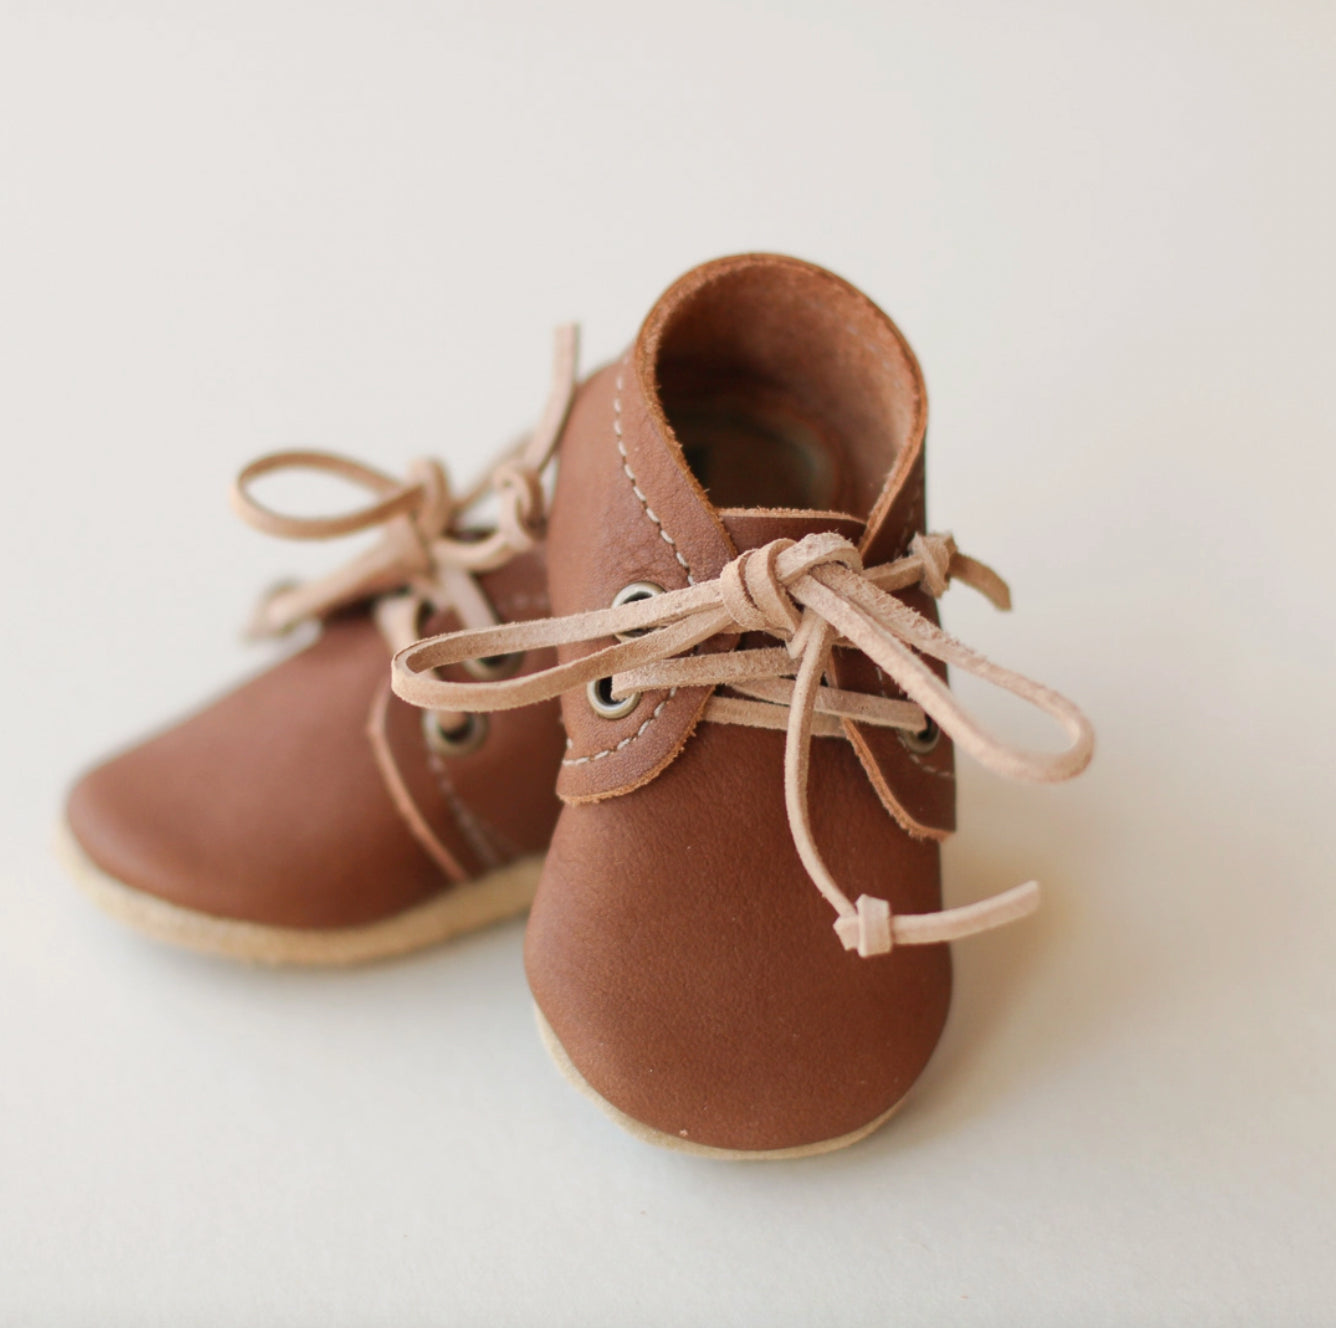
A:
(786, 388)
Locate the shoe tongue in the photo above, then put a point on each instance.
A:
(750, 528)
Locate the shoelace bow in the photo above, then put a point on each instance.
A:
(813, 594)
(423, 559)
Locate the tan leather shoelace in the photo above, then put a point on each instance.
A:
(812, 594)
(424, 560)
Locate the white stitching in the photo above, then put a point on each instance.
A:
(630, 475)
(912, 524)
(513, 604)
(625, 742)
(668, 539)
(909, 752)
(923, 765)
(471, 826)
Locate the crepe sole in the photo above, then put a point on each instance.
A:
(461, 908)
(677, 1143)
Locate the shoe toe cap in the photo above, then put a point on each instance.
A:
(266, 806)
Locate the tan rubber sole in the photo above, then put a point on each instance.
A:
(501, 894)
(679, 1144)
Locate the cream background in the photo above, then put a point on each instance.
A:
(1107, 230)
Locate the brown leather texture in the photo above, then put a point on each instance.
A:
(270, 806)
(617, 472)
(688, 966)
(677, 947)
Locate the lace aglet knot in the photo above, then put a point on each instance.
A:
(868, 930)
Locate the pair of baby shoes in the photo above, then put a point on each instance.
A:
(693, 707)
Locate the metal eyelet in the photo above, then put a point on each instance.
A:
(924, 740)
(465, 737)
(599, 691)
(633, 594)
(601, 702)
(493, 667)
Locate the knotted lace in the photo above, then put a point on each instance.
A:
(426, 557)
(813, 595)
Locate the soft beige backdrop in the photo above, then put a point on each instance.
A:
(1107, 228)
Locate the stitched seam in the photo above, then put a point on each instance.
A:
(910, 525)
(666, 537)
(924, 766)
(625, 742)
(630, 475)
(472, 828)
(510, 850)
(909, 752)
(506, 846)
(512, 604)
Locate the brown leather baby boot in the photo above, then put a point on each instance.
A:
(760, 736)
(311, 817)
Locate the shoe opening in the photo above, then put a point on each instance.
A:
(785, 387)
